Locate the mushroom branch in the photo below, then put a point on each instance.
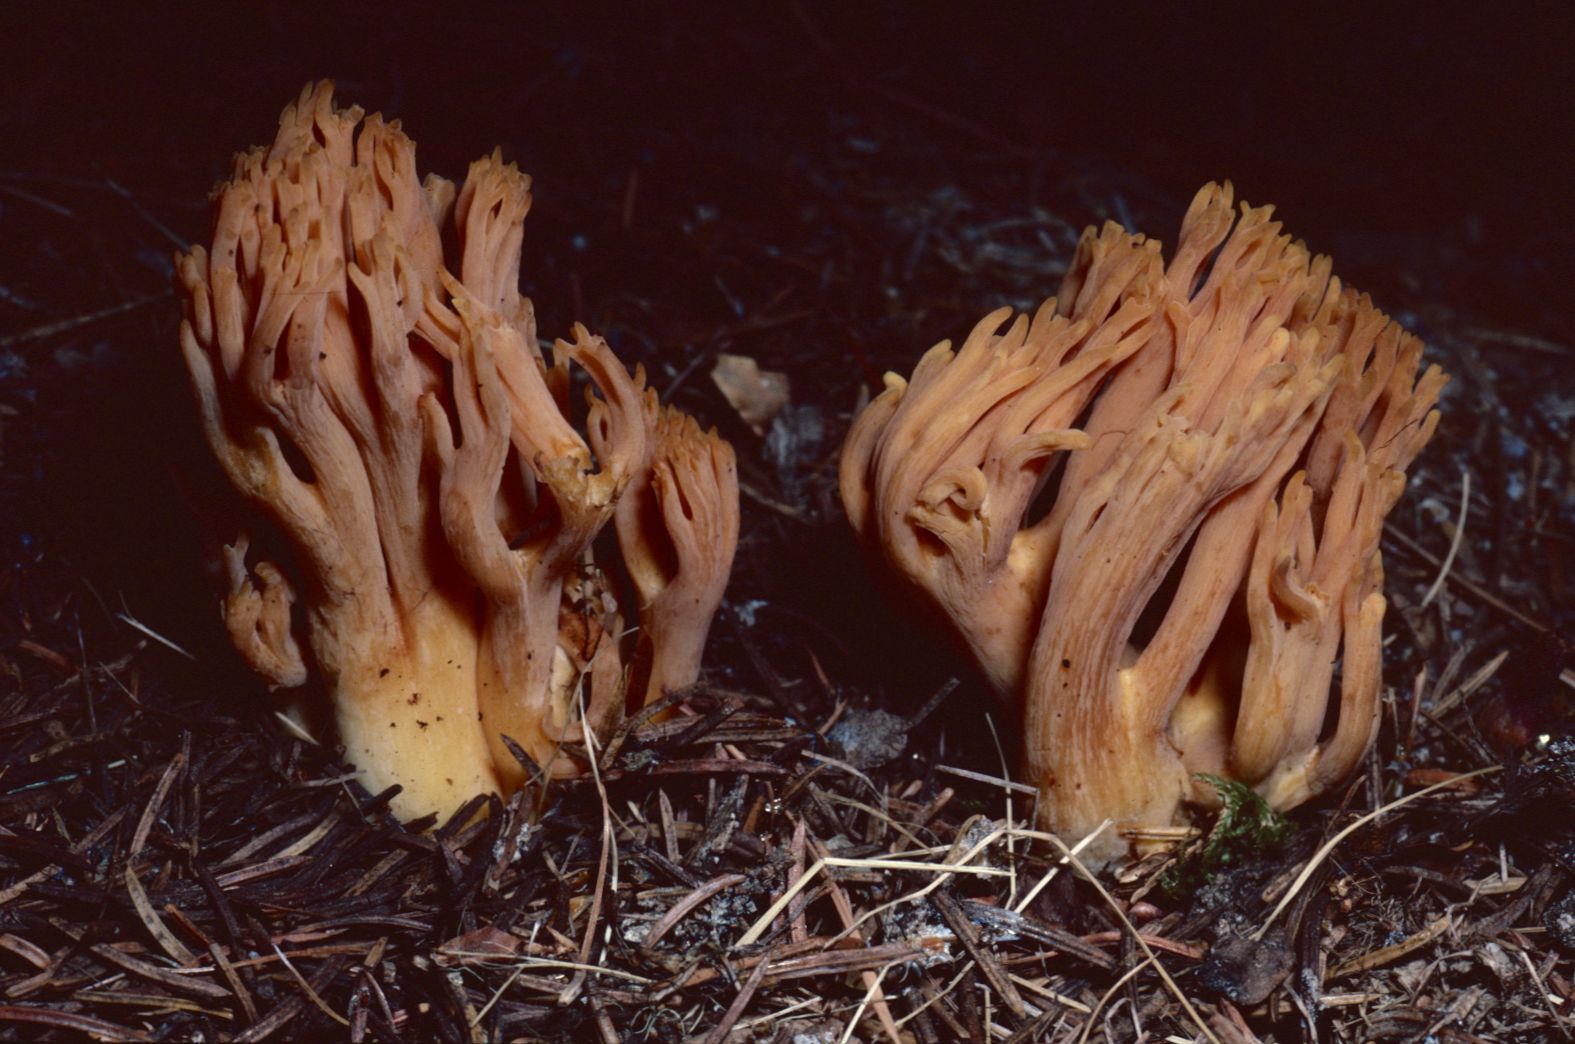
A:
(677, 530)
(1151, 513)
(426, 503)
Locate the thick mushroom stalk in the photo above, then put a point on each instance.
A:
(1224, 437)
(548, 626)
(392, 416)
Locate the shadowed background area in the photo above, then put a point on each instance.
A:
(1454, 109)
(1361, 122)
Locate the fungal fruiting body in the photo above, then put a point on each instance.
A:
(1151, 514)
(427, 500)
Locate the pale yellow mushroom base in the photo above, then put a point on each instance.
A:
(409, 716)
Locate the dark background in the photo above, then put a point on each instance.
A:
(1389, 117)
(1357, 120)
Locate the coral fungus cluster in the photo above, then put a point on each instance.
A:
(369, 377)
(1152, 511)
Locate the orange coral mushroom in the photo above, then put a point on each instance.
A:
(391, 413)
(1221, 437)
